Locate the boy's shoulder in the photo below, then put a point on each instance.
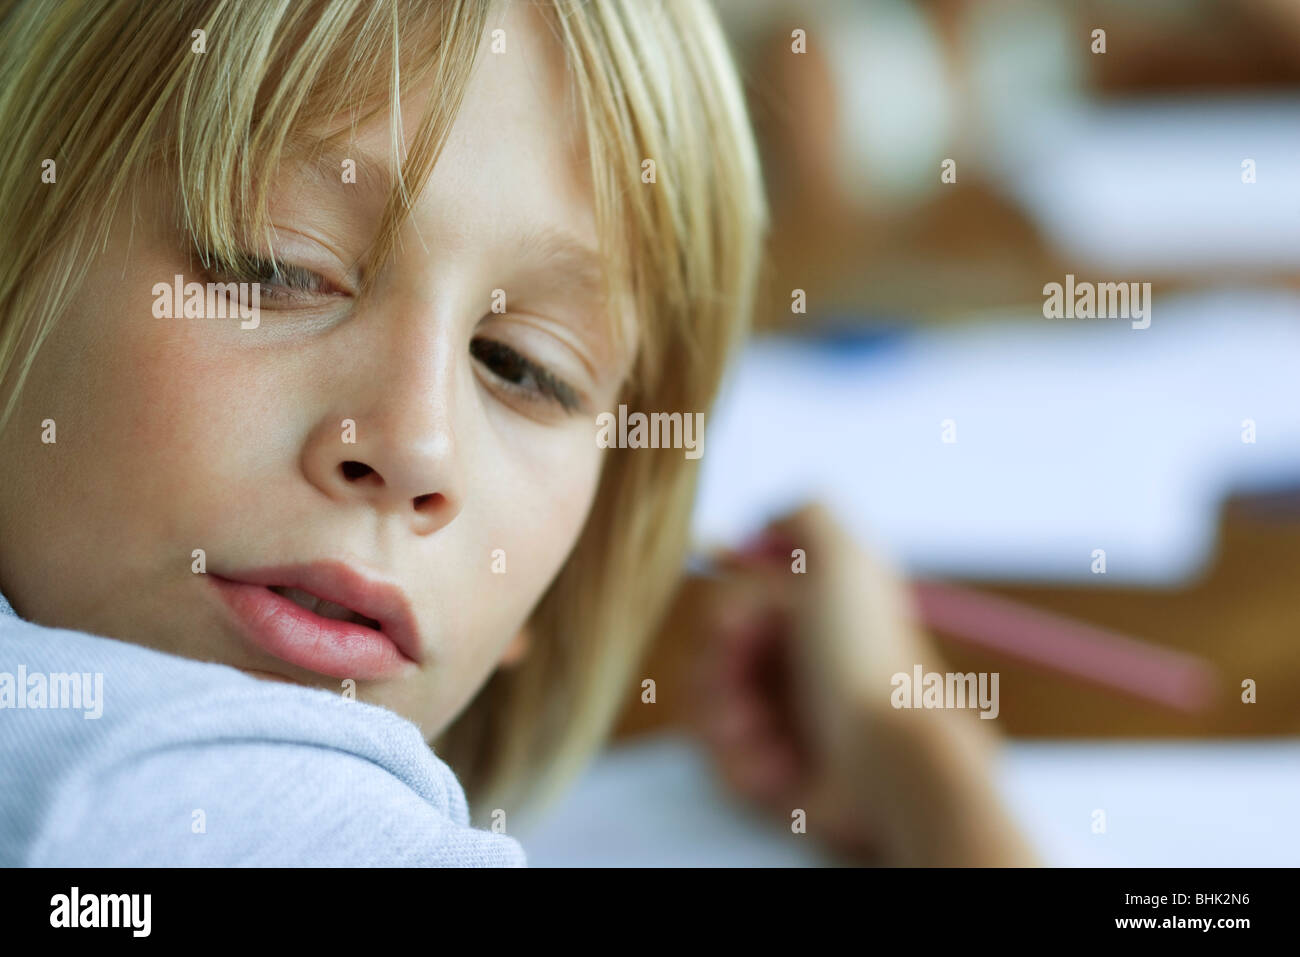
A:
(102, 738)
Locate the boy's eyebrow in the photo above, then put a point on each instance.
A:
(577, 267)
(325, 163)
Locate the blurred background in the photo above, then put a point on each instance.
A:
(931, 167)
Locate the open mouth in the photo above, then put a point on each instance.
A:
(318, 616)
(326, 609)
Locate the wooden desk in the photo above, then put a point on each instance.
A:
(1244, 616)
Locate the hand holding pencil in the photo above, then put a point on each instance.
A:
(794, 705)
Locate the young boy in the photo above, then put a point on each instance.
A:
(302, 534)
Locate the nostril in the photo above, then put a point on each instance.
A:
(355, 470)
(427, 501)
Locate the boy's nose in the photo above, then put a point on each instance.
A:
(414, 479)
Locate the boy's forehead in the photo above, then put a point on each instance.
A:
(517, 126)
(520, 182)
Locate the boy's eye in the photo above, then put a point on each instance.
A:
(287, 276)
(523, 376)
(280, 283)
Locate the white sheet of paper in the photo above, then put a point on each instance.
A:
(657, 803)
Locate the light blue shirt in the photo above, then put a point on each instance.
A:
(116, 755)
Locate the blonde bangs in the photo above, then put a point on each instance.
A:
(297, 72)
(116, 94)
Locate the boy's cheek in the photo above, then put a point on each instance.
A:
(151, 425)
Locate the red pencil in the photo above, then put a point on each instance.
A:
(1062, 645)
(1129, 665)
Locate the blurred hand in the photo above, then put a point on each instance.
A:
(803, 636)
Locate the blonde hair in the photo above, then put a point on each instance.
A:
(114, 94)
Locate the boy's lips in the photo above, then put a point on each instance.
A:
(321, 640)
